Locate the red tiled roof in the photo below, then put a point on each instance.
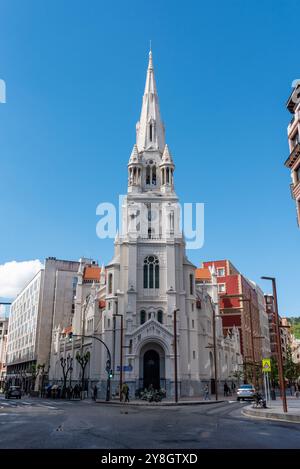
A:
(92, 273)
(203, 274)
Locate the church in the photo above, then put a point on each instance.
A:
(145, 303)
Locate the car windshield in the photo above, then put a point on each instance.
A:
(246, 386)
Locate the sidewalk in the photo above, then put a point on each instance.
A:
(183, 401)
(275, 411)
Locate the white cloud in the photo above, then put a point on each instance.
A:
(15, 275)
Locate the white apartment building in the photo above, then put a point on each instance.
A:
(3, 345)
(44, 302)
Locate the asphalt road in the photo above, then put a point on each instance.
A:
(42, 423)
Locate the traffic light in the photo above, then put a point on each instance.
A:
(110, 374)
(70, 336)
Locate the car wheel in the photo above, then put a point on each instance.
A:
(238, 399)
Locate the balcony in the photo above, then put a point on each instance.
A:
(293, 156)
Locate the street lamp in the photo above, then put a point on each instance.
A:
(175, 354)
(121, 348)
(212, 305)
(279, 349)
(108, 363)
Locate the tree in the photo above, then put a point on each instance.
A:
(274, 372)
(66, 364)
(83, 360)
(290, 368)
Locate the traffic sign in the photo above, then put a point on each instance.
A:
(266, 365)
(125, 368)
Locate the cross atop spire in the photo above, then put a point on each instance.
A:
(150, 132)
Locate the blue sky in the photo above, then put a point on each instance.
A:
(75, 74)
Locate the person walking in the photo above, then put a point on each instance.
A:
(125, 392)
(95, 391)
(226, 389)
(206, 393)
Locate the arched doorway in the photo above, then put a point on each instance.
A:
(151, 369)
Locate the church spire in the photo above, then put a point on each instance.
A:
(150, 132)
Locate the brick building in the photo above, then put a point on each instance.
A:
(242, 314)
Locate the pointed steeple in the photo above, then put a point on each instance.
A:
(134, 157)
(167, 157)
(150, 132)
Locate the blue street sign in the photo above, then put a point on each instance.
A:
(125, 368)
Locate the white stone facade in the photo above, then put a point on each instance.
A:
(148, 279)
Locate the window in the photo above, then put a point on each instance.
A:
(143, 316)
(194, 354)
(191, 284)
(220, 271)
(151, 132)
(298, 173)
(221, 287)
(110, 281)
(160, 316)
(154, 175)
(295, 139)
(151, 272)
(148, 175)
(193, 324)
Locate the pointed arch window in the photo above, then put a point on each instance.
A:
(191, 284)
(151, 272)
(143, 316)
(154, 175)
(110, 283)
(151, 132)
(148, 179)
(168, 176)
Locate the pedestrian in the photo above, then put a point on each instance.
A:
(233, 387)
(226, 388)
(206, 393)
(95, 391)
(125, 392)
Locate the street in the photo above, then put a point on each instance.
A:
(42, 423)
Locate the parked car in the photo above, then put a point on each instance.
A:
(13, 391)
(245, 391)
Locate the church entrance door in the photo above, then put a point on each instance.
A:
(151, 369)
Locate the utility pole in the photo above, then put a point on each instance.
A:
(121, 349)
(175, 355)
(214, 346)
(279, 349)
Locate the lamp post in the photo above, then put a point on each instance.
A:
(212, 305)
(108, 363)
(175, 355)
(279, 349)
(121, 349)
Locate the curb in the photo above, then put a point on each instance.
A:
(279, 417)
(157, 404)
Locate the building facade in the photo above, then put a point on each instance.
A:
(264, 338)
(293, 161)
(3, 347)
(130, 305)
(242, 314)
(43, 303)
